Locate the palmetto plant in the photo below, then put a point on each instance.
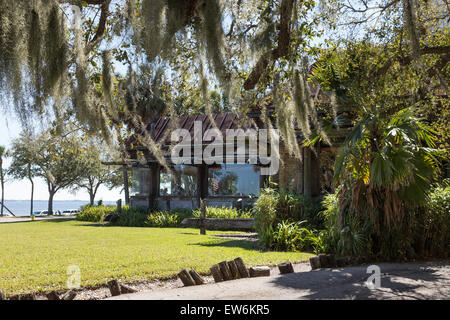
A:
(387, 165)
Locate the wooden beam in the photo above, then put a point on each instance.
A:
(1, 203)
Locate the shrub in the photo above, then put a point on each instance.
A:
(95, 214)
(132, 217)
(433, 225)
(164, 219)
(136, 217)
(423, 232)
(291, 236)
(297, 207)
(224, 213)
(265, 215)
(274, 208)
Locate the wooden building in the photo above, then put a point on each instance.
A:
(172, 185)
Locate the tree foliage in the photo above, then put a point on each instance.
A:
(95, 173)
(56, 159)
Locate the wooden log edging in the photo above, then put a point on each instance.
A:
(233, 269)
(216, 273)
(52, 296)
(328, 261)
(69, 295)
(114, 287)
(314, 262)
(261, 271)
(225, 271)
(243, 272)
(323, 260)
(286, 267)
(331, 260)
(229, 270)
(126, 289)
(117, 288)
(197, 278)
(186, 278)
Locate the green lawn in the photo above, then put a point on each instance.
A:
(34, 256)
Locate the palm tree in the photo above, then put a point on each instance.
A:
(387, 166)
(2, 178)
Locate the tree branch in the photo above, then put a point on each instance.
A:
(284, 38)
(100, 33)
(435, 50)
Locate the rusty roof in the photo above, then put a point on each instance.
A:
(161, 129)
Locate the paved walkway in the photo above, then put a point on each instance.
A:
(428, 280)
(28, 219)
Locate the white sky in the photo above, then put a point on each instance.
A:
(20, 190)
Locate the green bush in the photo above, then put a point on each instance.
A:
(424, 231)
(433, 225)
(291, 236)
(136, 217)
(168, 219)
(132, 217)
(95, 214)
(274, 209)
(164, 219)
(224, 213)
(266, 215)
(297, 207)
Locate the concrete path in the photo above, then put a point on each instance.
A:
(28, 219)
(428, 280)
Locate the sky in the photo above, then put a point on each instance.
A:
(10, 129)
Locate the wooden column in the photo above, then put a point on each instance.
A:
(315, 170)
(311, 172)
(154, 185)
(126, 187)
(307, 182)
(202, 182)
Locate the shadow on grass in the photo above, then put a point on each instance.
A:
(100, 224)
(244, 244)
(57, 220)
(27, 220)
(398, 281)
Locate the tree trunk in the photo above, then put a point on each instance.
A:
(32, 196)
(126, 187)
(32, 190)
(50, 202)
(3, 189)
(91, 198)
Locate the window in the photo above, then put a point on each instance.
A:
(179, 181)
(233, 180)
(141, 182)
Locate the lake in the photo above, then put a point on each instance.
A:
(22, 207)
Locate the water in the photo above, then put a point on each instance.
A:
(22, 207)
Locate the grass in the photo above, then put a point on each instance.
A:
(34, 256)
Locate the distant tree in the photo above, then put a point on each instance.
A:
(21, 166)
(2, 178)
(58, 159)
(95, 173)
